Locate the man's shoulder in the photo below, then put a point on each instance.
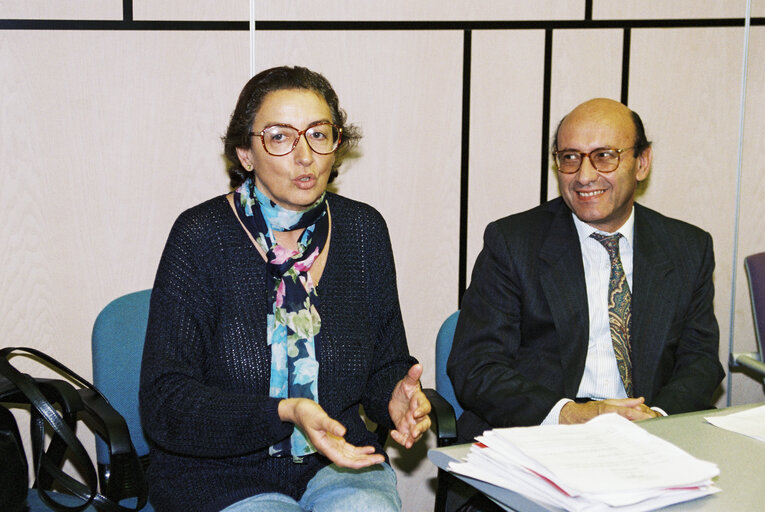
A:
(662, 225)
(534, 220)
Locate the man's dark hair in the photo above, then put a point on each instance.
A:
(251, 98)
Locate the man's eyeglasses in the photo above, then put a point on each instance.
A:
(569, 161)
(281, 139)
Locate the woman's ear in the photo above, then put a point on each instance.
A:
(245, 157)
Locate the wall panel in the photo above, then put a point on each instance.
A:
(751, 231)
(407, 167)
(658, 9)
(107, 138)
(132, 141)
(69, 10)
(505, 128)
(689, 101)
(585, 64)
(408, 160)
(194, 10)
(423, 10)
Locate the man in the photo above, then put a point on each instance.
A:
(559, 326)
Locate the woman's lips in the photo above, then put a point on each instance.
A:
(305, 181)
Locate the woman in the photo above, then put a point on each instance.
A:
(274, 315)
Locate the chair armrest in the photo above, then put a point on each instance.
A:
(442, 418)
(750, 360)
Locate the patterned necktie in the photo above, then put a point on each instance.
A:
(619, 309)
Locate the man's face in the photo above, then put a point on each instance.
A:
(602, 200)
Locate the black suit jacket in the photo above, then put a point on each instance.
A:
(521, 340)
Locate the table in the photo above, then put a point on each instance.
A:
(741, 461)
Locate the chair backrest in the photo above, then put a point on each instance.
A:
(117, 348)
(443, 348)
(755, 272)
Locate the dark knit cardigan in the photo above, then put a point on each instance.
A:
(206, 365)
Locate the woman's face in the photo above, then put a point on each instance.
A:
(296, 180)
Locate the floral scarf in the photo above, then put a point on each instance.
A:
(293, 320)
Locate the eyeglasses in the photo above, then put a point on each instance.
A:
(281, 139)
(569, 161)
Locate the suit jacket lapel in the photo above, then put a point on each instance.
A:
(653, 296)
(562, 279)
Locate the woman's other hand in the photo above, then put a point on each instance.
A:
(409, 409)
(326, 434)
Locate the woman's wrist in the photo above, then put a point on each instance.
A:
(286, 409)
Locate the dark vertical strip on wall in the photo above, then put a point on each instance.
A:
(588, 10)
(626, 65)
(467, 45)
(127, 10)
(546, 116)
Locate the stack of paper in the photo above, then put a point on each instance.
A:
(604, 464)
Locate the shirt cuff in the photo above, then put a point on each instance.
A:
(553, 417)
(659, 410)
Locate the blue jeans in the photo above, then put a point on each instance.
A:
(334, 489)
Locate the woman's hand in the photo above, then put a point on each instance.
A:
(326, 434)
(409, 408)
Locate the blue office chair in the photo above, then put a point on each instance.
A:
(445, 408)
(117, 346)
(444, 341)
(754, 361)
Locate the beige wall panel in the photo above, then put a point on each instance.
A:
(428, 10)
(505, 128)
(193, 10)
(355, 10)
(106, 137)
(661, 9)
(687, 92)
(408, 105)
(585, 64)
(131, 138)
(60, 10)
(751, 231)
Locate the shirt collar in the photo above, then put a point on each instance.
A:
(627, 230)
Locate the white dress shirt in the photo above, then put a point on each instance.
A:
(601, 378)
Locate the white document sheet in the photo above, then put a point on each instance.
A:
(750, 422)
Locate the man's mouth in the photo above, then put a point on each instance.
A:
(590, 193)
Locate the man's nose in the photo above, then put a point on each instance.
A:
(587, 173)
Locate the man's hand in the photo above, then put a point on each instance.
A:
(326, 434)
(409, 408)
(633, 409)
